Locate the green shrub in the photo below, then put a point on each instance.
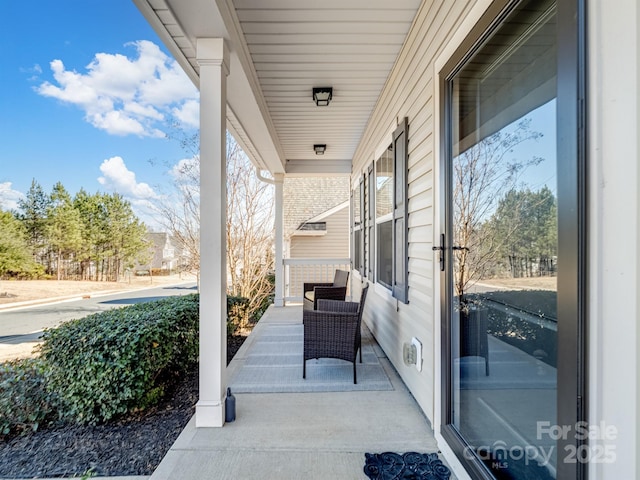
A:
(109, 363)
(113, 362)
(237, 308)
(25, 403)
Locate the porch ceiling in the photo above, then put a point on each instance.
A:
(280, 50)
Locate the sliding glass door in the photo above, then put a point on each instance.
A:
(501, 245)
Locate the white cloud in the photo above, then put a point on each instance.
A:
(9, 197)
(117, 123)
(188, 113)
(187, 168)
(127, 96)
(117, 177)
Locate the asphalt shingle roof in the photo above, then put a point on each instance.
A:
(307, 197)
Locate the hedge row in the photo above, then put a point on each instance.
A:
(109, 363)
(113, 362)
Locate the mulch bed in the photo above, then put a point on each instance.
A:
(133, 445)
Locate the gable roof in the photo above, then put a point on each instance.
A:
(311, 199)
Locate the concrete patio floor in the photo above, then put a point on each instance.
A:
(283, 436)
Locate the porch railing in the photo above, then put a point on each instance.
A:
(300, 270)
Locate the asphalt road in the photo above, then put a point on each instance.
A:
(27, 323)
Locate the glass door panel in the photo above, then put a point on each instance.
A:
(503, 226)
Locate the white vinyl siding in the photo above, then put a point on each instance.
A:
(409, 92)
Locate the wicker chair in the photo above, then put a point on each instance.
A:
(333, 331)
(337, 290)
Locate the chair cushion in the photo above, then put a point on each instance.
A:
(309, 295)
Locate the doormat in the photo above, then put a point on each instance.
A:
(408, 466)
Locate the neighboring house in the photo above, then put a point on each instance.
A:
(164, 253)
(426, 117)
(316, 217)
(316, 226)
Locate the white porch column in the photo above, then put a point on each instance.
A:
(213, 59)
(279, 266)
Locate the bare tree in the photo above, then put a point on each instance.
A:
(250, 228)
(482, 175)
(180, 210)
(250, 231)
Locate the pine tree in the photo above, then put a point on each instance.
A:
(126, 236)
(34, 216)
(62, 227)
(15, 254)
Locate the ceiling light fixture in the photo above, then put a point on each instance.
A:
(322, 95)
(319, 149)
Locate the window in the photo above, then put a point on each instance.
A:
(357, 230)
(391, 215)
(370, 223)
(313, 227)
(384, 217)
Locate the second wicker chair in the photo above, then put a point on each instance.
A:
(333, 331)
(313, 292)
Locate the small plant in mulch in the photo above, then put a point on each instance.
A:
(90, 473)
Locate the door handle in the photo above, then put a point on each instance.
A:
(441, 249)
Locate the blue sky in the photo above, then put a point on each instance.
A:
(88, 92)
(87, 95)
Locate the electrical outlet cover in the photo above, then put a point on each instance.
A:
(416, 343)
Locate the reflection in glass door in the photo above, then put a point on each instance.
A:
(503, 224)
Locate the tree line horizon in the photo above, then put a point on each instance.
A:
(85, 237)
(98, 237)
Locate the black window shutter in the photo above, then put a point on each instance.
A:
(352, 231)
(362, 232)
(400, 284)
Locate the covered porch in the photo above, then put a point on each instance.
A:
(306, 434)
(390, 73)
(258, 66)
